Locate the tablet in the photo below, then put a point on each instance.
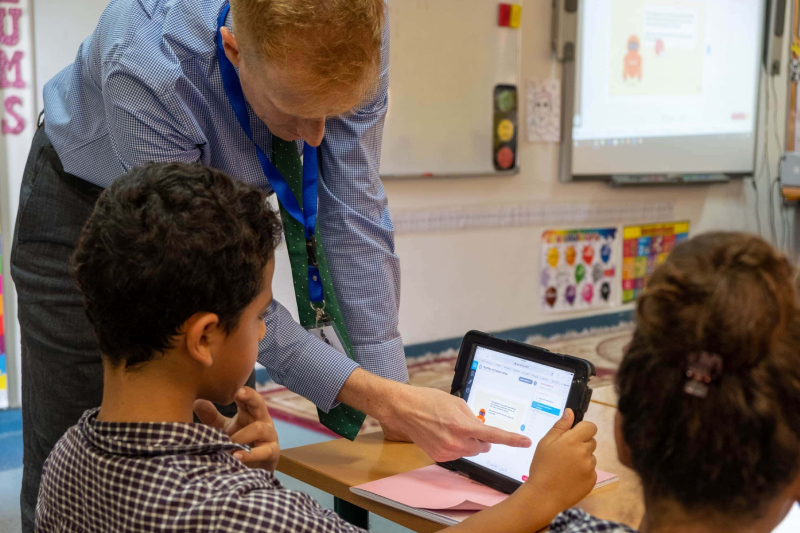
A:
(520, 388)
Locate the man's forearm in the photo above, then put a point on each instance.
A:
(439, 423)
(371, 394)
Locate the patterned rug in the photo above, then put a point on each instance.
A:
(602, 346)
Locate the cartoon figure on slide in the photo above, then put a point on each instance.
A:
(482, 415)
(633, 61)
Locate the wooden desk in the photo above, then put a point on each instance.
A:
(335, 466)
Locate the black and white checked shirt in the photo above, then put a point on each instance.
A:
(167, 477)
(577, 521)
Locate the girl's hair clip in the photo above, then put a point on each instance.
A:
(701, 370)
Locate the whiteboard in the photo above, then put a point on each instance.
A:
(446, 57)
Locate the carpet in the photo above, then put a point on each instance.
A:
(603, 346)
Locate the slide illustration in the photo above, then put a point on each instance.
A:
(661, 46)
(633, 61)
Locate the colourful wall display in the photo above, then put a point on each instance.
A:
(643, 249)
(578, 269)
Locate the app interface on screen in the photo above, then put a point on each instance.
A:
(515, 395)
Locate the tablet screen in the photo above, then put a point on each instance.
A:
(516, 395)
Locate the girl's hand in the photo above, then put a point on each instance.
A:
(563, 466)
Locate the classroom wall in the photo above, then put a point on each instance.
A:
(59, 29)
(483, 279)
(489, 279)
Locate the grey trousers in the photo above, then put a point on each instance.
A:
(62, 374)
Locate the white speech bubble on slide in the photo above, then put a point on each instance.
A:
(501, 412)
(676, 27)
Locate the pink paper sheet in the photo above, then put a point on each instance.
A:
(436, 488)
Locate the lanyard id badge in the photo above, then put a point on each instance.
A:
(325, 330)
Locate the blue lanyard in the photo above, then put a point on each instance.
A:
(306, 216)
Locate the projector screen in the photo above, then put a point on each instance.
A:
(667, 86)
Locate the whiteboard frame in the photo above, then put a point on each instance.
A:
(565, 35)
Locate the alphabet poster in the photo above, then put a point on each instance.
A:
(578, 269)
(643, 249)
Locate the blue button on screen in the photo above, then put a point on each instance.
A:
(522, 427)
(474, 365)
(546, 408)
(526, 380)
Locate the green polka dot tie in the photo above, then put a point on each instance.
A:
(343, 420)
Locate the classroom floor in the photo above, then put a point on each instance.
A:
(11, 471)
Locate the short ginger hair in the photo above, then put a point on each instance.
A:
(331, 47)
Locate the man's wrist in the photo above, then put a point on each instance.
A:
(378, 397)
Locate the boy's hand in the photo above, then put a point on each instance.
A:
(563, 466)
(252, 426)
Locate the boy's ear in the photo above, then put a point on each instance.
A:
(623, 450)
(202, 337)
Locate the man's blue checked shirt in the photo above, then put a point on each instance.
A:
(146, 86)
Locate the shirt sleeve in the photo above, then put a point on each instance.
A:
(358, 232)
(300, 361)
(148, 122)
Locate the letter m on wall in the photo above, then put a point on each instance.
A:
(8, 65)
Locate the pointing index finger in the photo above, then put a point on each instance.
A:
(498, 436)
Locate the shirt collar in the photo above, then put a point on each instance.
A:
(154, 438)
(228, 20)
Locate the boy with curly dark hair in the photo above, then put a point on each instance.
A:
(175, 266)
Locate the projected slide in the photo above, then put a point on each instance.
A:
(658, 48)
(667, 86)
